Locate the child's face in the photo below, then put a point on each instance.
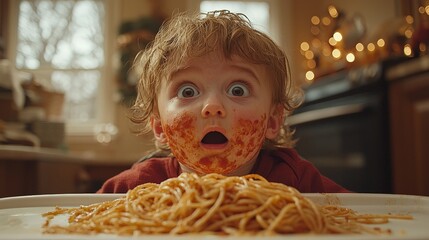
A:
(215, 113)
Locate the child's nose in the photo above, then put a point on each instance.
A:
(213, 107)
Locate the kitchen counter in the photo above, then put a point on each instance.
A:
(28, 170)
(15, 152)
(408, 68)
(26, 153)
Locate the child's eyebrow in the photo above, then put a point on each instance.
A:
(178, 71)
(247, 70)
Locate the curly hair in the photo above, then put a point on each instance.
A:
(186, 36)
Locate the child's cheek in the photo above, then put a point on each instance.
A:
(180, 134)
(248, 137)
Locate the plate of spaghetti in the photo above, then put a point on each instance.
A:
(215, 207)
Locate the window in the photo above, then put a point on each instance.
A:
(63, 44)
(260, 12)
(257, 12)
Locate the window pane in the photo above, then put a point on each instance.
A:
(257, 12)
(62, 42)
(80, 89)
(60, 34)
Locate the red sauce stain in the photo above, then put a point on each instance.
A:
(247, 138)
(180, 135)
(223, 163)
(206, 161)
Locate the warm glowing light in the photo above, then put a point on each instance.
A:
(407, 50)
(309, 54)
(104, 138)
(332, 41)
(424, 10)
(333, 11)
(422, 47)
(381, 42)
(326, 21)
(309, 75)
(336, 53)
(311, 64)
(338, 36)
(315, 20)
(370, 47)
(359, 47)
(305, 46)
(350, 57)
(408, 33)
(409, 19)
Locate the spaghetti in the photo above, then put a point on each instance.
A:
(212, 204)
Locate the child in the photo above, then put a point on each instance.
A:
(215, 93)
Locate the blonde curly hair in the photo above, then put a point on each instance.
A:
(187, 36)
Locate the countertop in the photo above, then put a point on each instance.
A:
(17, 152)
(407, 68)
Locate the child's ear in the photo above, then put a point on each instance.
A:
(275, 121)
(157, 129)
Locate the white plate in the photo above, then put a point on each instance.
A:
(20, 217)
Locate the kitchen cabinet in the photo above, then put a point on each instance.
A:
(17, 178)
(409, 114)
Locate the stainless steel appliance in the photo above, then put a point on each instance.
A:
(343, 128)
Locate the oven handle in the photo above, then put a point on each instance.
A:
(325, 113)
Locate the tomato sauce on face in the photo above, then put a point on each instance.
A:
(247, 138)
(245, 141)
(181, 136)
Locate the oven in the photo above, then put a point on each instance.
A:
(343, 128)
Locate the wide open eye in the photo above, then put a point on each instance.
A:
(238, 90)
(187, 91)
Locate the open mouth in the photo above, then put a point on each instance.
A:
(214, 138)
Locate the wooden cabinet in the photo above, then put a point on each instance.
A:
(409, 114)
(30, 177)
(17, 178)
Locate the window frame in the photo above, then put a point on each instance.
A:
(105, 103)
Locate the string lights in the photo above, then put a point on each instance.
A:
(340, 41)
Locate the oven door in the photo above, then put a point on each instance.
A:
(347, 140)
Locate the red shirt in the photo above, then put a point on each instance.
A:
(281, 165)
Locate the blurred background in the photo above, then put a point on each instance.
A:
(66, 85)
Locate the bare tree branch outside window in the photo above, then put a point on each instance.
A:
(62, 42)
